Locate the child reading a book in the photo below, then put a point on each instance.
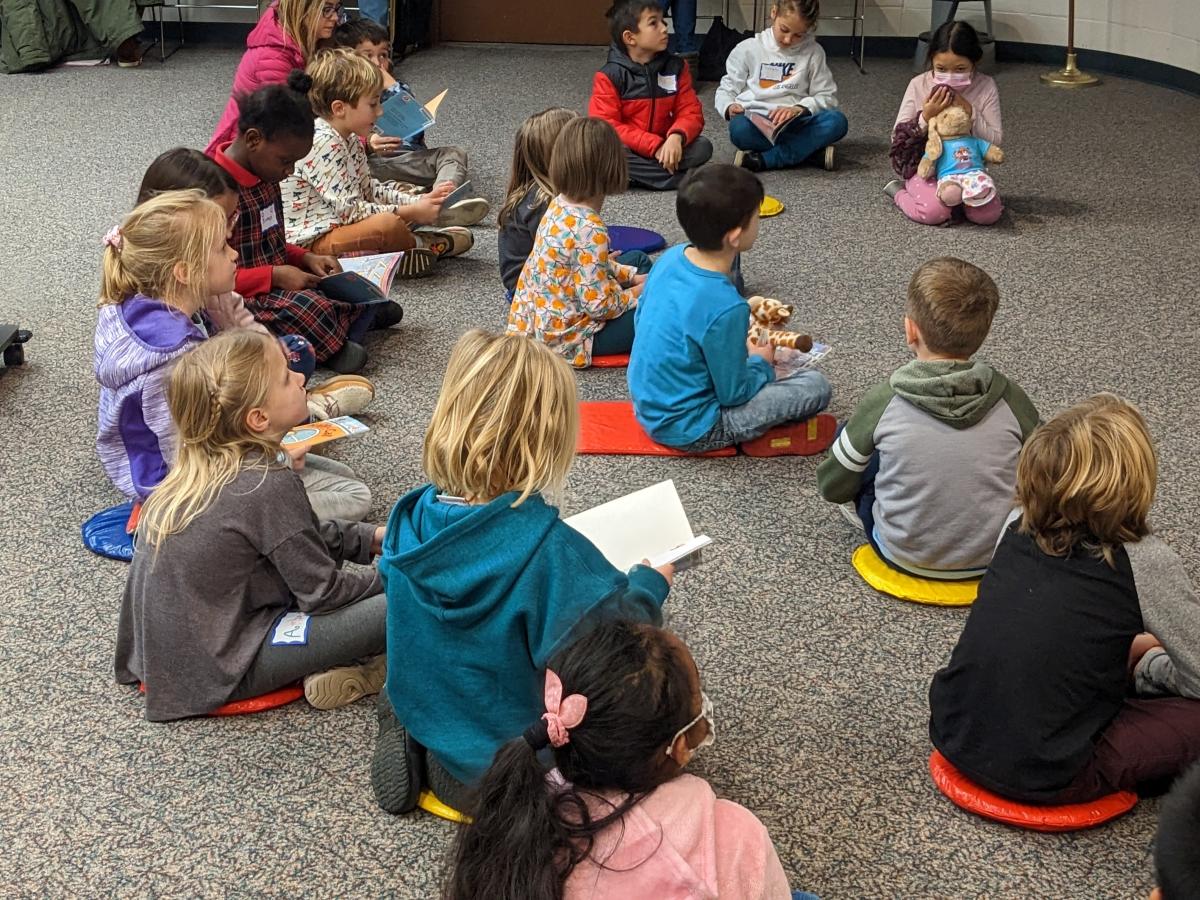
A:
(183, 169)
(621, 715)
(331, 202)
(278, 606)
(572, 295)
(929, 456)
(529, 191)
(279, 280)
(778, 94)
(409, 160)
(697, 380)
(646, 94)
(484, 582)
(161, 267)
(1034, 703)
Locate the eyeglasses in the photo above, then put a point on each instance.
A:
(333, 11)
(706, 713)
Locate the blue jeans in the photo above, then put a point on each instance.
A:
(798, 397)
(683, 16)
(814, 133)
(376, 10)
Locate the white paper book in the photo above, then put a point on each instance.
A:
(647, 524)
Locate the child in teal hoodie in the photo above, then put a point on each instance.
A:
(484, 582)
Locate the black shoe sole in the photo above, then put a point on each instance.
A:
(416, 263)
(396, 763)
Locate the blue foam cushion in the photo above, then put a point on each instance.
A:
(104, 533)
(625, 237)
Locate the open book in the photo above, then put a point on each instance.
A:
(405, 117)
(314, 433)
(379, 270)
(770, 130)
(647, 524)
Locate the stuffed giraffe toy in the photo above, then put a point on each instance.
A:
(765, 313)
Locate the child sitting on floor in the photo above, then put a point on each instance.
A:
(573, 295)
(1034, 703)
(529, 191)
(697, 380)
(622, 715)
(781, 75)
(646, 94)
(162, 265)
(1177, 844)
(332, 204)
(228, 545)
(279, 281)
(929, 457)
(408, 160)
(484, 582)
(183, 169)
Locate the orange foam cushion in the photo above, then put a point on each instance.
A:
(1064, 817)
(262, 703)
(615, 361)
(608, 427)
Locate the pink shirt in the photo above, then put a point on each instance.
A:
(682, 843)
(982, 95)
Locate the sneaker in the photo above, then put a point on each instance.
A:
(129, 54)
(416, 262)
(893, 187)
(387, 315)
(445, 242)
(748, 159)
(850, 514)
(830, 158)
(807, 438)
(396, 763)
(350, 358)
(465, 212)
(342, 395)
(345, 684)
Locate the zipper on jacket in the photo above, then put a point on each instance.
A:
(650, 124)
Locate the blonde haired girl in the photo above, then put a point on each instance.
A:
(484, 582)
(529, 190)
(278, 607)
(1033, 704)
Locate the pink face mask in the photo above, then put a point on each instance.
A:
(953, 79)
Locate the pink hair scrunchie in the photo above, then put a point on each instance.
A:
(562, 713)
(113, 238)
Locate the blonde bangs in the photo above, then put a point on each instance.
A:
(341, 74)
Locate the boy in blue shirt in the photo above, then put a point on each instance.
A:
(698, 382)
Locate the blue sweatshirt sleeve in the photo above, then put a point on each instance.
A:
(736, 375)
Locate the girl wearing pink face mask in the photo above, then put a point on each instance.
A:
(952, 78)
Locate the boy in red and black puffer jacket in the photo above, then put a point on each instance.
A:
(646, 94)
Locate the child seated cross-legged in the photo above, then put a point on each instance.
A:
(484, 582)
(781, 74)
(929, 457)
(227, 545)
(162, 267)
(623, 713)
(409, 160)
(1035, 703)
(697, 380)
(646, 94)
(573, 294)
(332, 204)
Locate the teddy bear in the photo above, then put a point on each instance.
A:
(960, 159)
(766, 312)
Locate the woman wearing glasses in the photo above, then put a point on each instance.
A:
(284, 38)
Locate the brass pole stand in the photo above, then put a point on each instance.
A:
(1069, 75)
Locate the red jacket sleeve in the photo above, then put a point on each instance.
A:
(252, 281)
(295, 255)
(606, 104)
(689, 114)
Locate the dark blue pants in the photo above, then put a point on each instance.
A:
(803, 139)
(300, 355)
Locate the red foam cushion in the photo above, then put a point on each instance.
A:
(1064, 817)
(608, 427)
(281, 697)
(615, 361)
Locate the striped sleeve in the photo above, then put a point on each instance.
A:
(840, 475)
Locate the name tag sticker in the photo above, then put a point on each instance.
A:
(667, 83)
(291, 629)
(268, 218)
(772, 73)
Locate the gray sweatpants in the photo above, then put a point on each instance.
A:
(645, 171)
(340, 638)
(421, 167)
(334, 491)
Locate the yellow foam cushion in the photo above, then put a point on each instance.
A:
(431, 804)
(887, 580)
(769, 207)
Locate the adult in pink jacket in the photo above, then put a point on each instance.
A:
(284, 38)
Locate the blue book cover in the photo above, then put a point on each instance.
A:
(405, 117)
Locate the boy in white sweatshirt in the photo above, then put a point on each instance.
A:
(779, 80)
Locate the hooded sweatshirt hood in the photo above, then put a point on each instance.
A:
(959, 394)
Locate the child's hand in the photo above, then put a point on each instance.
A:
(762, 351)
(297, 455)
(734, 109)
(426, 210)
(939, 99)
(289, 278)
(321, 265)
(781, 114)
(383, 145)
(667, 571)
(377, 541)
(671, 152)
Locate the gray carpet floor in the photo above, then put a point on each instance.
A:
(819, 683)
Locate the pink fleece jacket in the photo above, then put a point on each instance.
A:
(982, 95)
(269, 58)
(682, 843)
